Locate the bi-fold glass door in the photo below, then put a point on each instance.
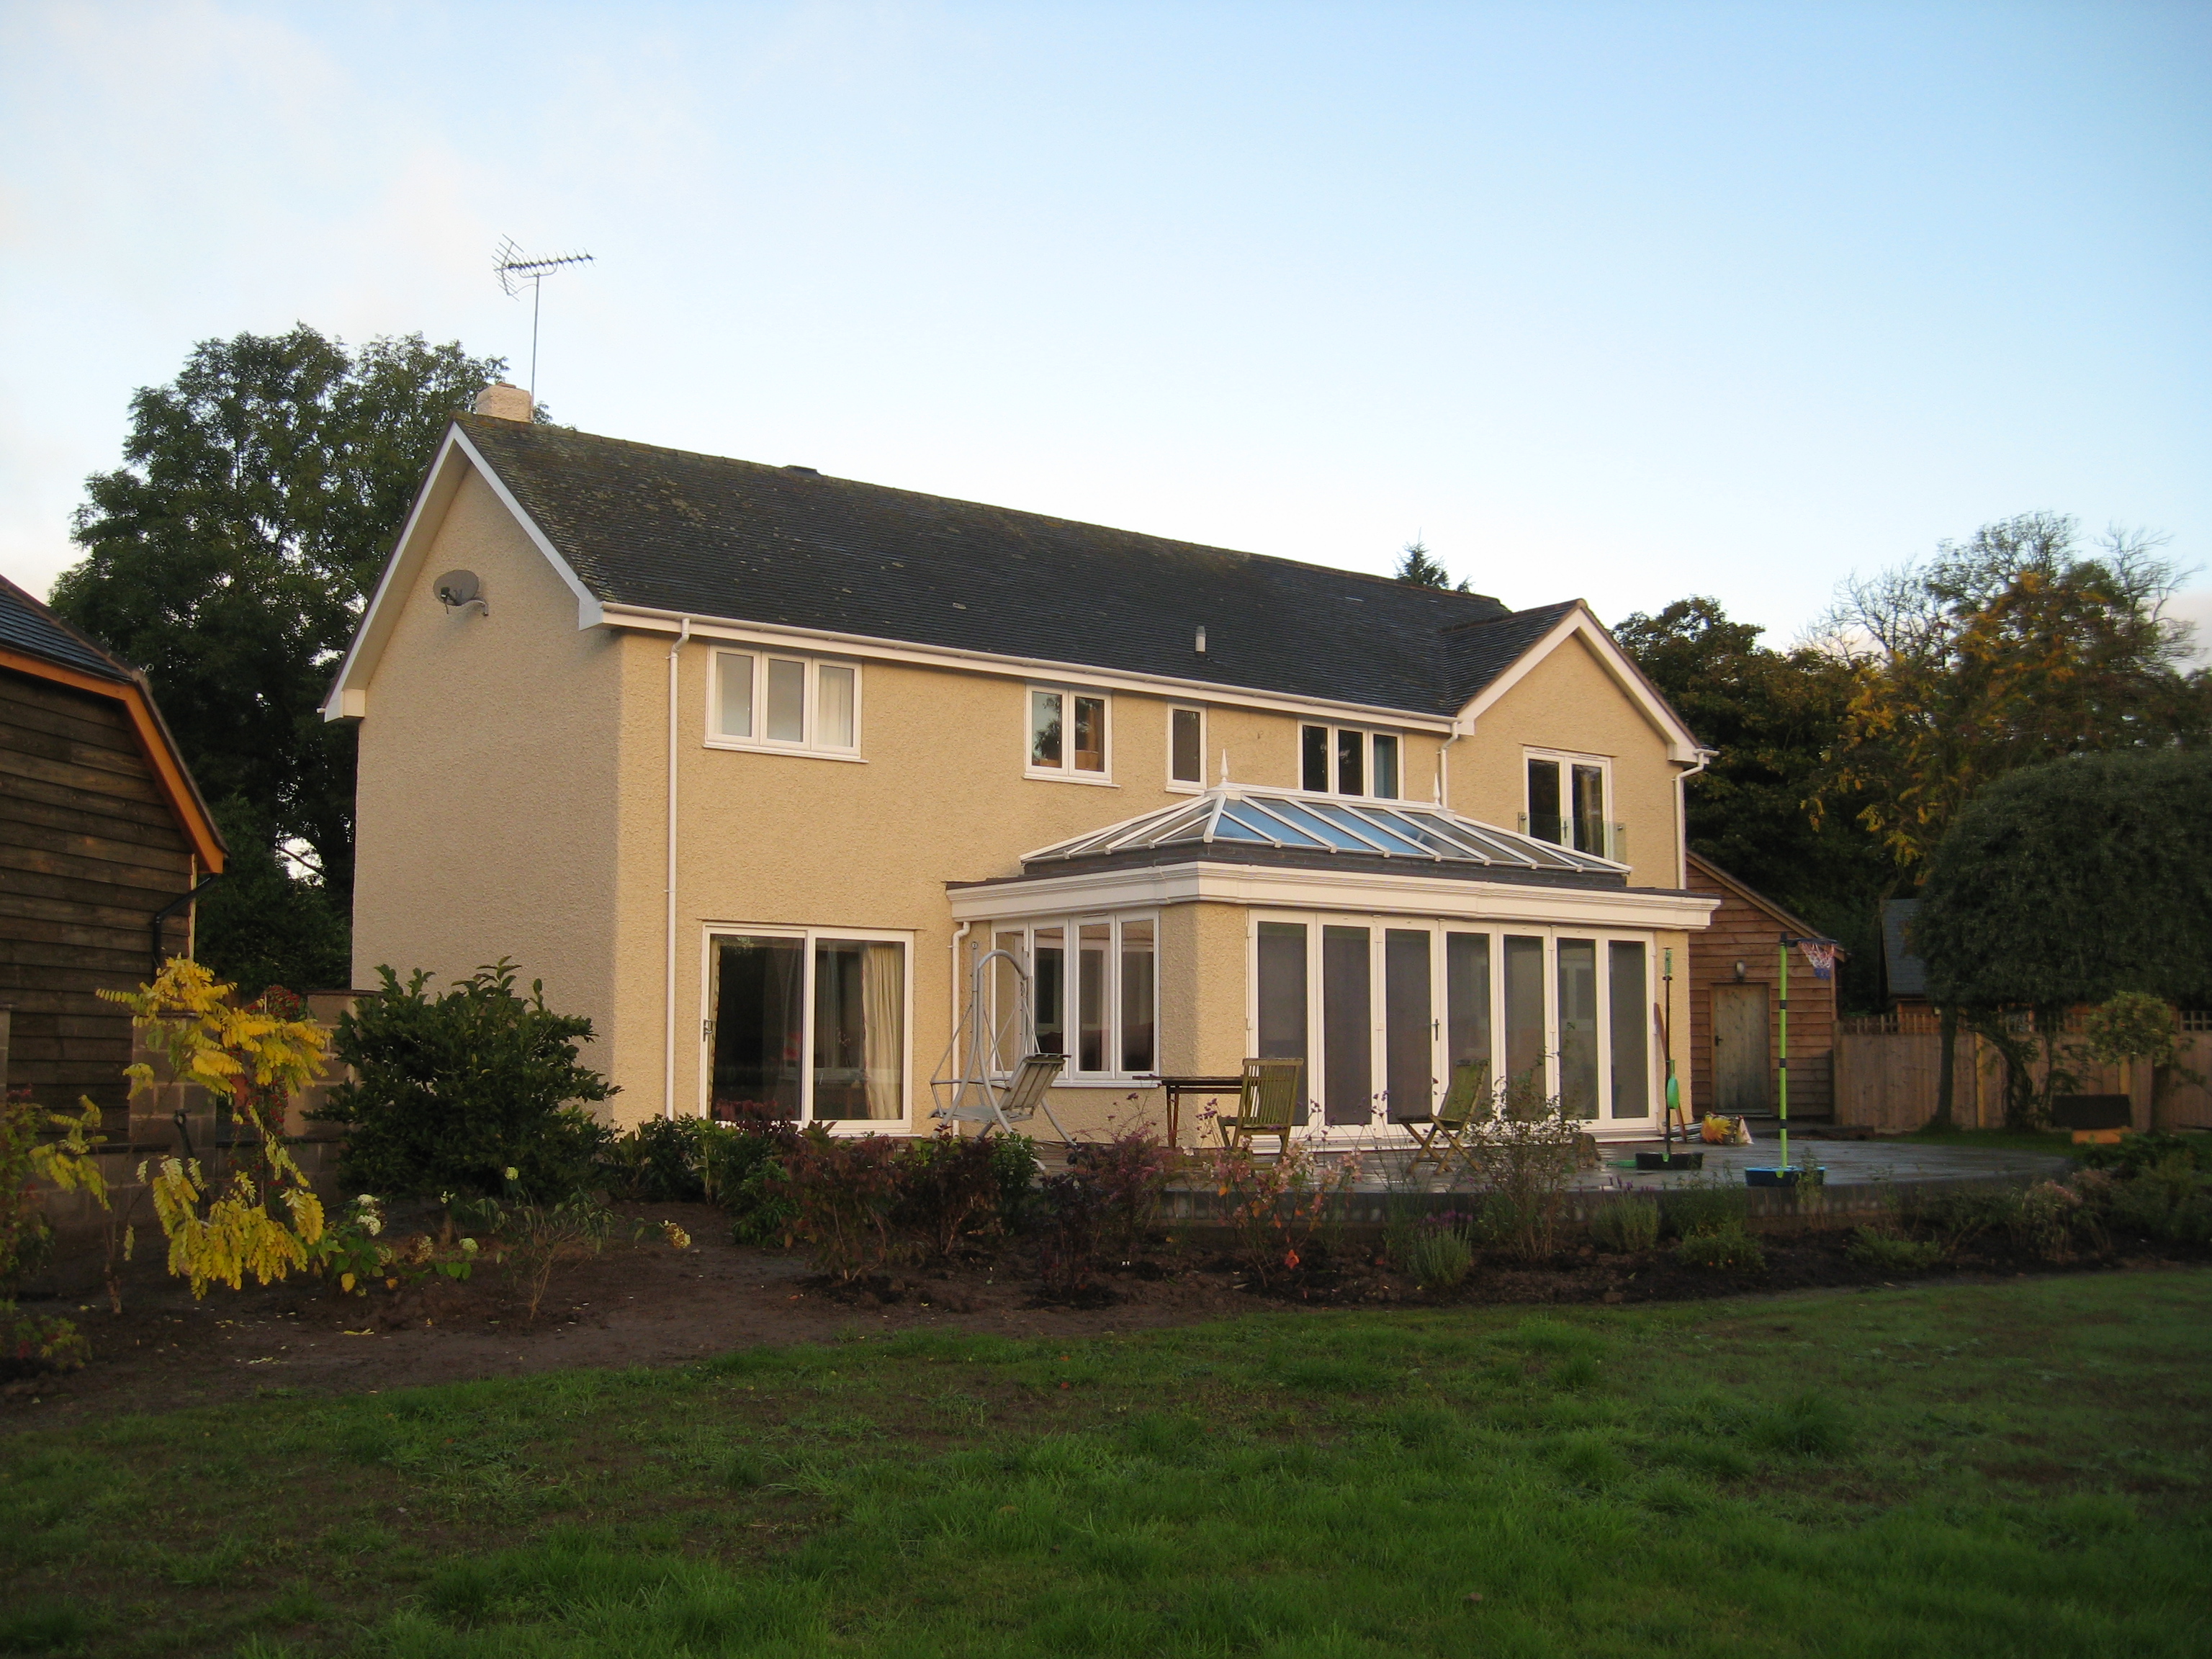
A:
(1385, 1011)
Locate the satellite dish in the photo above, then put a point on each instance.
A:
(459, 588)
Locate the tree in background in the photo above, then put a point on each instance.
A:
(1415, 566)
(2066, 883)
(230, 556)
(260, 926)
(2012, 649)
(1772, 716)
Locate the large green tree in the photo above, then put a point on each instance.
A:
(2064, 883)
(231, 554)
(1771, 716)
(2019, 646)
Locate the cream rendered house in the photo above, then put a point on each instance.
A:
(753, 766)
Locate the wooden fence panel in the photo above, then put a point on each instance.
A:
(1886, 1079)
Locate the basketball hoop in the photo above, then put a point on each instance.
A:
(1822, 953)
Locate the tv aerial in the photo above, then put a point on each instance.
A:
(515, 268)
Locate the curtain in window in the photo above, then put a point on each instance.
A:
(883, 1001)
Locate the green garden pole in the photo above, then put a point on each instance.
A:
(1782, 1083)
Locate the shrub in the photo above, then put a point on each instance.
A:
(1626, 1225)
(454, 1091)
(1721, 1247)
(662, 1161)
(1524, 1159)
(2049, 1219)
(951, 1191)
(1956, 1216)
(1704, 1209)
(1887, 1253)
(1072, 1226)
(1130, 1172)
(1277, 1204)
(844, 1192)
(1102, 1207)
(2137, 1152)
(1438, 1253)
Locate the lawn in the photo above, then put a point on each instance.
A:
(1998, 1469)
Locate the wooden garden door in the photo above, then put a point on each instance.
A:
(1743, 1070)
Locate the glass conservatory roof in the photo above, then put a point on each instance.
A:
(1316, 823)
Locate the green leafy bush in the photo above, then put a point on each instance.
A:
(1704, 1207)
(2137, 1152)
(1721, 1247)
(1626, 1225)
(2051, 1219)
(1957, 1215)
(1887, 1253)
(453, 1092)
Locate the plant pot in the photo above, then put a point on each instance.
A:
(1670, 1160)
(1797, 1175)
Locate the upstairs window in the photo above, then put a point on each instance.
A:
(1187, 748)
(766, 700)
(1067, 734)
(1345, 760)
(1567, 797)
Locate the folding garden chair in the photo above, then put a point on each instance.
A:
(1436, 1137)
(1266, 1102)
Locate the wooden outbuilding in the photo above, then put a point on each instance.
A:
(103, 835)
(1735, 1015)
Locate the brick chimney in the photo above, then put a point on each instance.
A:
(503, 402)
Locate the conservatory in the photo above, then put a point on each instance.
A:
(1382, 944)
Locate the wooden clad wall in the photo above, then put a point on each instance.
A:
(88, 850)
(1742, 931)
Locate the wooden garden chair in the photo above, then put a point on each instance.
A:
(1436, 1137)
(1267, 1103)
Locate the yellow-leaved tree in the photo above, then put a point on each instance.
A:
(257, 1053)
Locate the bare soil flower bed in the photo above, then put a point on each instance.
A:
(647, 1305)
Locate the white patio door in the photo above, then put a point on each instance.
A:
(1384, 1010)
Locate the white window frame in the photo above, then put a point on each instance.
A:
(810, 746)
(1377, 923)
(1567, 759)
(1367, 735)
(902, 937)
(1071, 926)
(1065, 772)
(1176, 786)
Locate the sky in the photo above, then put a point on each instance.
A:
(1624, 302)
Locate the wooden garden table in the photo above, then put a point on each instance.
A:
(1177, 1087)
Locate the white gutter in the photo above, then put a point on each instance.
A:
(668, 987)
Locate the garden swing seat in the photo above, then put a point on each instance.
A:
(1267, 1103)
(1436, 1137)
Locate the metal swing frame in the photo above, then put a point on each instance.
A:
(970, 1084)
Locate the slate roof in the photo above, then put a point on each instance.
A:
(29, 627)
(705, 536)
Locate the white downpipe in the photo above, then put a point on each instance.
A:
(1705, 757)
(959, 937)
(668, 984)
(1443, 766)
